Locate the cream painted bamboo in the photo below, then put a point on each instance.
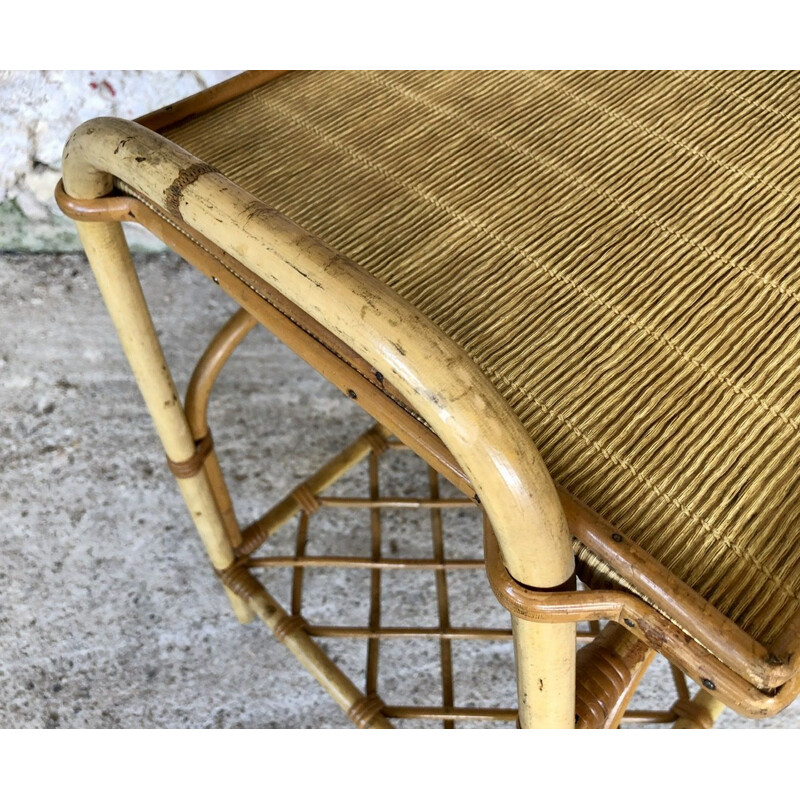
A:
(430, 370)
(545, 658)
(111, 263)
(708, 703)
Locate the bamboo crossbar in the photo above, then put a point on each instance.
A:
(679, 679)
(442, 596)
(395, 502)
(637, 657)
(340, 562)
(255, 534)
(356, 632)
(652, 717)
(508, 714)
(444, 713)
(373, 643)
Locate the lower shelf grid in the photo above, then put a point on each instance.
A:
(390, 579)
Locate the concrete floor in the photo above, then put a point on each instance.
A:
(109, 616)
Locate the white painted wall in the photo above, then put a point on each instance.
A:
(38, 111)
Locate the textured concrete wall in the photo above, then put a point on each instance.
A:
(38, 110)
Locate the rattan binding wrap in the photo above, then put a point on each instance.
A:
(617, 252)
(192, 465)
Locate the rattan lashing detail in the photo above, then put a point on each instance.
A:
(240, 580)
(364, 711)
(287, 626)
(192, 465)
(602, 678)
(306, 499)
(173, 194)
(378, 443)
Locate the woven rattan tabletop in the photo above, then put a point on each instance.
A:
(618, 254)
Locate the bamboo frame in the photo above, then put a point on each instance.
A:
(680, 604)
(584, 525)
(460, 404)
(390, 334)
(268, 251)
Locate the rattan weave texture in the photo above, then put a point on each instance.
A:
(619, 254)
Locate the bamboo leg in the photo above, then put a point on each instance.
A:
(701, 712)
(645, 658)
(109, 257)
(545, 658)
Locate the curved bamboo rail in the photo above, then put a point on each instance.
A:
(201, 383)
(436, 375)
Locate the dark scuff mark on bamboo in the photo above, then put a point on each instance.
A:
(187, 176)
(655, 637)
(306, 276)
(122, 143)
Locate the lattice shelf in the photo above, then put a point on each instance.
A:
(389, 578)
